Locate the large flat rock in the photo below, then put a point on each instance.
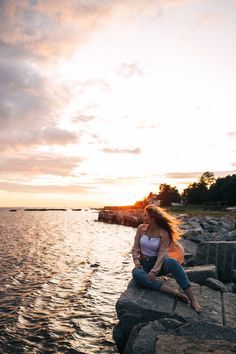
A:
(167, 336)
(138, 306)
(199, 274)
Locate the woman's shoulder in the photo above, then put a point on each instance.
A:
(164, 233)
(142, 227)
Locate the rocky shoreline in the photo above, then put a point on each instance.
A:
(151, 322)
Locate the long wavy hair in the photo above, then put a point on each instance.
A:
(164, 220)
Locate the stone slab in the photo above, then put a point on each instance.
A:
(137, 306)
(171, 336)
(187, 345)
(199, 274)
(190, 247)
(229, 300)
(222, 254)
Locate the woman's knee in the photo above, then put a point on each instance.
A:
(170, 262)
(137, 273)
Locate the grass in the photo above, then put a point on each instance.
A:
(198, 210)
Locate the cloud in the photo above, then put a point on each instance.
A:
(178, 175)
(129, 70)
(99, 83)
(116, 180)
(30, 104)
(48, 136)
(134, 151)
(231, 135)
(189, 175)
(83, 118)
(34, 188)
(38, 165)
(51, 28)
(145, 125)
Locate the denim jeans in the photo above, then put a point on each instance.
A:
(169, 266)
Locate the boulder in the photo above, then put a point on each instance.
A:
(199, 274)
(228, 223)
(168, 335)
(215, 284)
(138, 306)
(234, 275)
(196, 235)
(221, 254)
(232, 235)
(189, 246)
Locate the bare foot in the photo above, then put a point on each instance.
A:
(196, 306)
(180, 296)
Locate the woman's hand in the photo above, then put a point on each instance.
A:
(151, 276)
(138, 266)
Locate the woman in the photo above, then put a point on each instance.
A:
(154, 243)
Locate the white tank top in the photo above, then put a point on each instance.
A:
(149, 246)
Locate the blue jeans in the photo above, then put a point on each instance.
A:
(169, 266)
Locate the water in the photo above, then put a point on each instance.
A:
(61, 275)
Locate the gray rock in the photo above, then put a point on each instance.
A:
(228, 223)
(192, 224)
(190, 247)
(222, 254)
(167, 336)
(189, 262)
(232, 235)
(199, 274)
(195, 235)
(229, 315)
(234, 275)
(138, 305)
(182, 217)
(187, 345)
(222, 235)
(216, 284)
(142, 339)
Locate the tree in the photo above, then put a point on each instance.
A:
(208, 179)
(168, 194)
(224, 190)
(195, 193)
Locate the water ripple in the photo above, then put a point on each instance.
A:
(62, 273)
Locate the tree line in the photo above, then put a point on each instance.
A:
(209, 189)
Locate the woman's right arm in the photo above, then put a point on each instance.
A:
(136, 247)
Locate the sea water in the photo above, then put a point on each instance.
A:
(61, 275)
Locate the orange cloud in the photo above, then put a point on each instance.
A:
(129, 70)
(135, 151)
(52, 188)
(37, 165)
(52, 29)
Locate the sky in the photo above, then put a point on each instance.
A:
(101, 101)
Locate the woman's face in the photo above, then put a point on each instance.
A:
(146, 218)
